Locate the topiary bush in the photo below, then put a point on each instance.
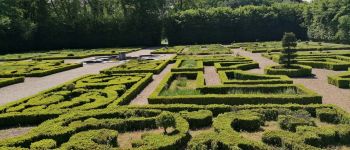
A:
(293, 71)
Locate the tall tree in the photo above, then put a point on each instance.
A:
(289, 42)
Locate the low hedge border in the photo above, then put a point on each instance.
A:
(9, 81)
(176, 67)
(43, 73)
(198, 119)
(308, 97)
(341, 80)
(302, 71)
(250, 78)
(236, 65)
(331, 64)
(170, 50)
(156, 70)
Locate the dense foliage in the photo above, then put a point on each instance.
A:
(225, 25)
(55, 24)
(43, 24)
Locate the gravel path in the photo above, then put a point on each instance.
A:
(13, 132)
(141, 99)
(331, 94)
(211, 76)
(32, 86)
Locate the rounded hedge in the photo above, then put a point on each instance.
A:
(294, 71)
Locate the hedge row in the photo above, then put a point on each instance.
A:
(250, 94)
(198, 119)
(36, 69)
(210, 60)
(9, 81)
(88, 93)
(341, 80)
(242, 77)
(295, 71)
(235, 65)
(328, 63)
(177, 67)
(169, 50)
(143, 66)
(98, 127)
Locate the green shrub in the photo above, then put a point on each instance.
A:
(43, 144)
(143, 66)
(297, 71)
(198, 119)
(341, 80)
(328, 115)
(9, 81)
(165, 120)
(290, 122)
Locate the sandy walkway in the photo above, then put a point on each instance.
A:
(331, 94)
(211, 76)
(141, 99)
(13, 132)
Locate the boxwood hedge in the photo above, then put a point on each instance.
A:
(341, 80)
(9, 81)
(242, 77)
(139, 66)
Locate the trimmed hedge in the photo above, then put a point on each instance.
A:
(297, 71)
(198, 119)
(9, 81)
(34, 68)
(341, 80)
(178, 68)
(98, 128)
(242, 77)
(219, 95)
(143, 66)
(169, 50)
(210, 60)
(236, 65)
(89, 93)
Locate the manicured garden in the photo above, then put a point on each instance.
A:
(191, 127)
(341, 80)
(206, 50)
(66, 54)
(139, 66)
(34, 68)
(261, 47)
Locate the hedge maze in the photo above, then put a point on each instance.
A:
(332, 60)
(262, 47)
(89, 92)
(65, 54)
(34, 68)
(197, 127)
(244, 110)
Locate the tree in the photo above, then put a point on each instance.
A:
(289, 42)
(165, 120)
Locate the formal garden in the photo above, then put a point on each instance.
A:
(174, 75)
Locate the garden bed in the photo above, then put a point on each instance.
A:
(34, 68)
(242, 77)
(169, 50)
(238, 65)
(187, 65)
(85, 93)
(293, 71)
(228, 94)
(257, 127)
(139, 66)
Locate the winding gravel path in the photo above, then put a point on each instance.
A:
(211, 76)
(331, 94)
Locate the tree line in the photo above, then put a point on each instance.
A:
(27, 25)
